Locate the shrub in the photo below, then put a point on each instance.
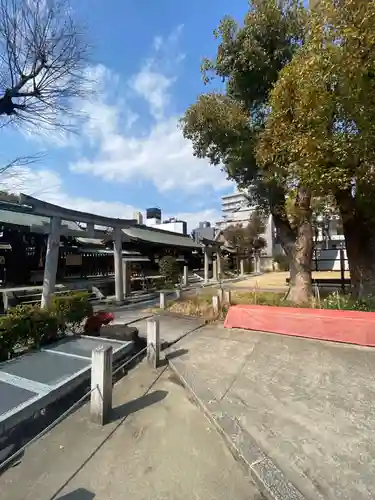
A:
(282, 261)
(72, 310)
(346, 302)
(96, 321)
(27, 326)
(7, 340)
(169, 269)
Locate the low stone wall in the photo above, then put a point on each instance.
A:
(352, 327)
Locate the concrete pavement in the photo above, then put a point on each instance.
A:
(299, 412)
(158, 446)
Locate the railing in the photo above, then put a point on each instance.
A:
(100, 393)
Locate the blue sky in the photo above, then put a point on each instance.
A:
(129, 154)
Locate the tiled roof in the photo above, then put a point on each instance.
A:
(160, 237)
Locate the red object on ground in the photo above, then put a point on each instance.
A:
(97, 320)
(351, 327)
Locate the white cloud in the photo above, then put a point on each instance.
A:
(116, 145)
(48, 186)
(153, 87)
(158, 152)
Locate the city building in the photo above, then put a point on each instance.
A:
(237, 209)
(204, 230)
(174, 225)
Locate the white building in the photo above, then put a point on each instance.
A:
(173, 225)
(236, 209)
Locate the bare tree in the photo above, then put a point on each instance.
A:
(12, 175)
(20, 161)
(42, 59)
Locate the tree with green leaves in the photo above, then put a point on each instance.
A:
(247, 238)
(225, 127)
(169, 269)
(320, 130)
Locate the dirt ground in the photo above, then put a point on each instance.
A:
(276, 280)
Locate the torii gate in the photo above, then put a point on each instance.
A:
(56, 215)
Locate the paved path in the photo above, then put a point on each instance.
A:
(308, 405)
(158, 446)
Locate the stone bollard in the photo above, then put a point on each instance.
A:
(162, 300)
(220, 294)
(227, 297)
(178, 294)
(215, 304)
(153, 342)
(185, 277)
(101, 385)
(242, 267)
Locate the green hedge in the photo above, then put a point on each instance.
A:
(29, 326)
(72, 310)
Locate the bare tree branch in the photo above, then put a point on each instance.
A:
(13, 175)
(42, 62)
(21, 161)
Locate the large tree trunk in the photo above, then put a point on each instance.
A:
(301, 291)
(359, 233)
(297, 244)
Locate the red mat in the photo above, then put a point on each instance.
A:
(352, 327)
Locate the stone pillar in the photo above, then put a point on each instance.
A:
(185, 279)
(219, 266)
(214, 270)
(153, 342)
(162, 301)
(256, 263)
(119, 273)
(52, 259)
(206, 266)
(101, 385)
(242, 267)
(126, 278)
(215, 304)
(90, 229)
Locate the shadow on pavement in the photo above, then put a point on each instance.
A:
(177, 353)
(172, 355)
(79, 494)
(138, 404)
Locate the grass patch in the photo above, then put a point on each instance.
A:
(200, 305)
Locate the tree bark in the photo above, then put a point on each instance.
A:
(301, 291)
(359, 233)
(297, 244)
